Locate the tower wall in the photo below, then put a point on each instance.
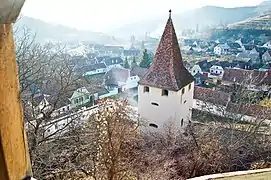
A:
(158, 109)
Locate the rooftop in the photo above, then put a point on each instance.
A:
(168, 71)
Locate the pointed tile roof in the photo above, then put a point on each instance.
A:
(167, 70)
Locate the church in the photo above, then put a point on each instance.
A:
(165, 92)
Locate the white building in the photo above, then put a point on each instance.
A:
(120, 78)
(221, 49)
(93, 69)
(195, 69)
(165, 92)
(216, 70)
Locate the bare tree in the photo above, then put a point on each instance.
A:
(47, 79)
(115, 135)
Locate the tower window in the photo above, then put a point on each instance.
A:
(182, 122)
(146, 89)
(153, 125)
(155, 104)
(183, 90)
(189, 86)
(164, 92)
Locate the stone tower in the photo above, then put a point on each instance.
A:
(165, 92)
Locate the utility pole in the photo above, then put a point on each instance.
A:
(14, 155)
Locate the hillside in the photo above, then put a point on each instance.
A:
(262, 22)
(208, 16)
(51, 32)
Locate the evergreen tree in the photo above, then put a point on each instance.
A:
(146, 61)
(126, 63)
(134, 63)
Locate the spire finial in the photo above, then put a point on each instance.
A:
(169, 13)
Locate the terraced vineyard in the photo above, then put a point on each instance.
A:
(261, 22)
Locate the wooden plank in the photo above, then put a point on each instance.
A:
(14, 156)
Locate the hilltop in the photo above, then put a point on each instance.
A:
(262, 22)
(205, 17)
(53, 32)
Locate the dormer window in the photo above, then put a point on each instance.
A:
(164, 92)
(146, 89)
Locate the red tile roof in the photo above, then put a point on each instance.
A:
(212, 96)
(168, 71)
(241, 76)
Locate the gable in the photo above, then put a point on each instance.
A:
(79, 92)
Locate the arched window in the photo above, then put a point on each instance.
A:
(182, 122)
(153, 125)
(164, 92)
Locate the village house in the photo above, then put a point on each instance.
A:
(132, 52)
(234, 46)
(195, 69)
(221, 49)
(220, 103)
(113, 62)
(216, 70)
(252, 79)
(165, 92)
(94, 69)
(200, 79)
(139, 71)
(121, 79)
(246, 57)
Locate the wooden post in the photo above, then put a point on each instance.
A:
(14, 155)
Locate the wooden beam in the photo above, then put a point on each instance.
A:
(14, 155)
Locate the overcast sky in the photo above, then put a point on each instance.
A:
(97, 15)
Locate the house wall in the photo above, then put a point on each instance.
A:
(131, 82)
(113, 66)
(174, 107)
(61, 110)
(218, 50)
(195, 69)
(80, 97)
(112, 92)
(217, 70)
(97, 71)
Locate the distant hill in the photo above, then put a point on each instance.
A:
(264, 7)
(262, 22)
(253, 28)
(208, 16)
(52, 32)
